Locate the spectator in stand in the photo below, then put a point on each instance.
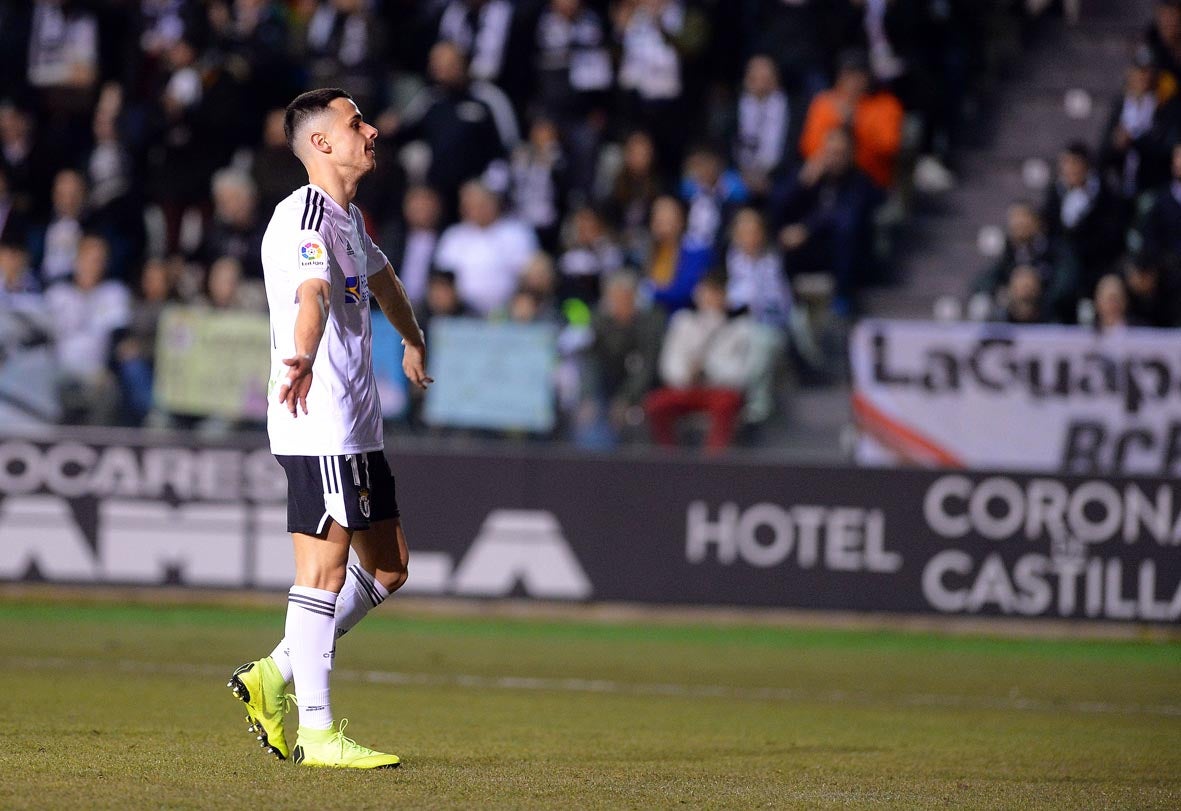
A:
(1021, 301)
(459, 128)
(1154, 293)
(591, 255)
(525, 308)
(226, 289)
(1163, 37)
(763, 122)
(704, 366)
(711, 193)
(634, 189)
(1083, 215)
(18, 282)
(345, 47)
(794, 33)
(24, 161)
(539, 182)
(274, 168)
(540, 280)
(1145, 120)
(574, 76)
(236, 230)
(413, 246)
(483, 31)
(674, 264)
(1111, 304)
(1160, 229)
(658, 37)
(16, 20)
(115, 205)
(63, 63)
(64, 232)
(1026, 243)
(88, 312)
(189, 141)
(161, 24)
(623, 360)
(755, 282)
(13, 221)
(135, 351)
(442, 300)
(485, 251)
(828, 212)
(251, 38)
(873, 116)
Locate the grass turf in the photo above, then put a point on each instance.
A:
(125, 707)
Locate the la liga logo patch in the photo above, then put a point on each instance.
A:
(311, 251)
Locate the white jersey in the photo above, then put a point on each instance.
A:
(311, 237)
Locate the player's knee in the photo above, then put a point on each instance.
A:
(326, 580)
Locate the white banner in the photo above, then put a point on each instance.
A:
(999, 396)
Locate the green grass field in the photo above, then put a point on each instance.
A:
(125, 707)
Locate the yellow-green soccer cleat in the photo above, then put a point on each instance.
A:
(261, 687)
(330, 747)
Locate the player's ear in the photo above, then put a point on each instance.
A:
(320, 142)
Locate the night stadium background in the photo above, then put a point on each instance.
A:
(807, 423)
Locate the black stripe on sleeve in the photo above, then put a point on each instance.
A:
(320, 213)
(307, 207)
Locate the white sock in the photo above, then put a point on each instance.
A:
(360, 595)
(311, 640)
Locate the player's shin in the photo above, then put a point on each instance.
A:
(311, 640)
(360, 595)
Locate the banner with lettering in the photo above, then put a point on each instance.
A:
(144, 509)
(1001, 396)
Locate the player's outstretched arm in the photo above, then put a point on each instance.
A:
(391, 297)
(310, 321)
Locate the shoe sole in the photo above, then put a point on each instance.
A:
(241, 693)
(298, 760)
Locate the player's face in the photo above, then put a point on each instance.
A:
(353, 141)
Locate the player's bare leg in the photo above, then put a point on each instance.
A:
(383, 553)
(320, 562)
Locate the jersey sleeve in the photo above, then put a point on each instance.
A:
(306, 255)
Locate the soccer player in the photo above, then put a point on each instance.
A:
(324, 422)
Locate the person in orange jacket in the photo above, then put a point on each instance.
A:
(874, 117)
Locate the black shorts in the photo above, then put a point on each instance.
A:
(353, 490)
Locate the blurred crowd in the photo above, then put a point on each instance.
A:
(1102, 247)
(690, 184)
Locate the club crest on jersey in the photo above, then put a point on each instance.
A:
(363, 501)
(352, 289)
(312, 253)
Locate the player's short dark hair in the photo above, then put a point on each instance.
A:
(306, 105)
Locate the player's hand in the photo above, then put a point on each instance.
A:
(294, 392)
(414, 365)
